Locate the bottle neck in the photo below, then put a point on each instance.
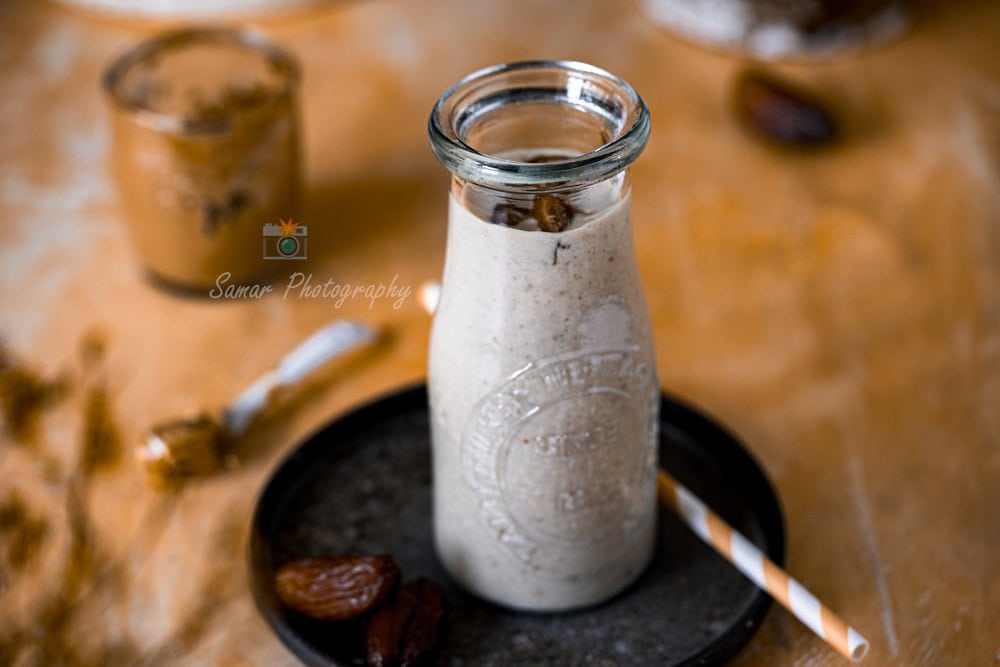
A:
(542, 126)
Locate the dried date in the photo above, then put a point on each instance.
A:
(782, 112)
(385, 631)
(337, 588)
(425, 625)
(405, 631)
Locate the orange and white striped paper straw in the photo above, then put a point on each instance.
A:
(760, 569)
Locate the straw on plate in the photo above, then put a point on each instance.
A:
(760, 569)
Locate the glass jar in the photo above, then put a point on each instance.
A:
(206, 153)
(542, 383)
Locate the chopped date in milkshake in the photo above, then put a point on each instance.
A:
(551, 212)
(508, 215)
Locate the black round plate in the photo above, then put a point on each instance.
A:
(362, 485)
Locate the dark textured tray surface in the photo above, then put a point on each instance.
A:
(362, 485)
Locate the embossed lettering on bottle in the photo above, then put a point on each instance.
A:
(562, 457)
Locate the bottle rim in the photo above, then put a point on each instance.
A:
(625, 113)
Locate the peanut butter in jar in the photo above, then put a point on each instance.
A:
(206, 151)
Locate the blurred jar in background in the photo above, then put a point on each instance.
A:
(192, 10)
(206, 151)
(779, 28)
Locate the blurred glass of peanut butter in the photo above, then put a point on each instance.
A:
(206, 151)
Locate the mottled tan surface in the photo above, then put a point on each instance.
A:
(840, 311)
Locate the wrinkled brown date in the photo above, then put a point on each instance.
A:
(405, 631)
(552, 213)
(385, 631)
(781, 112)
(337, 588)
(425, 624)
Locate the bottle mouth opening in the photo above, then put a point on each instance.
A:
(547, 124)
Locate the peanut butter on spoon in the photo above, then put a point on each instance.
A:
(200, 445)
(183, 448)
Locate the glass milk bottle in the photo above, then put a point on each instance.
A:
(542, 383)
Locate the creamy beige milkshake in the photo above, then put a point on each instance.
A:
(545, 447)
(542, 384)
